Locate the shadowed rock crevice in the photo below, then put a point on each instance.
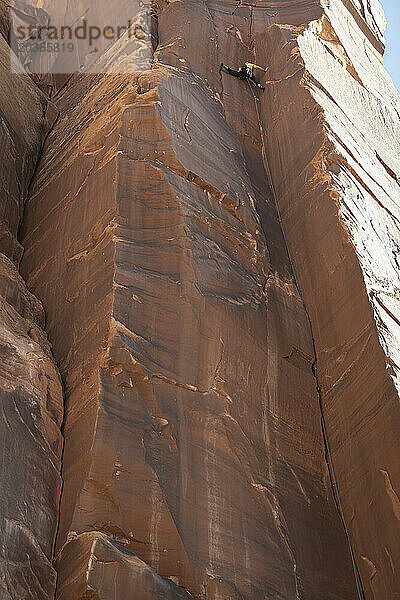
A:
(30, 384)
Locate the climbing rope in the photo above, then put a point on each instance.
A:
(328, 453)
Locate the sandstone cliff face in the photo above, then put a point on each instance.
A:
(341, 208)
(30, 386)
(197, 353)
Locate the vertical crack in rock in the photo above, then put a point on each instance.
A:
(328, 456)
(187, 334)
(335, 182)
(52, 116)
(30, 385)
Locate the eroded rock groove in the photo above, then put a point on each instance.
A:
(209, 305)
(328, 455)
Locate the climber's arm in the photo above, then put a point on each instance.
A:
(260, 68)
(257, 67)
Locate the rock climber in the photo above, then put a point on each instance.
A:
(246, 71)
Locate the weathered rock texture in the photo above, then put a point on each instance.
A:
(341, 206)
(30, 386)
(194, 464)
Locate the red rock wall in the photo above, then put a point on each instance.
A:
(192, 432)
(31, 398)
(326, 202)
(194, 463)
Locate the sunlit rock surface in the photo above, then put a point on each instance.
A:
(194, 464)
(341, 211)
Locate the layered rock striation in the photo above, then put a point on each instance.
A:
(30, 386)
(218, 268)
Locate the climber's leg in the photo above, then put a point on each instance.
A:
(258, 84)
(229, 70)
